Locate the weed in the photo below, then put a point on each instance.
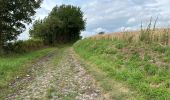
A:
(147, 57)
(119, 45)
(50, 92)
(150, 69)
(110, 51)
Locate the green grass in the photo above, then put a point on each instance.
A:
(143, 67)
(15, 65)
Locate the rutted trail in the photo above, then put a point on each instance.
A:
(60, 77)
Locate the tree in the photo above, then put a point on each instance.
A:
(63, 25)
(13, 16)
(47, 30)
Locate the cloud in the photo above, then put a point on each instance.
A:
(114, 15)
(142, 2)
(24, 35)
(100, 29)
(131, 20)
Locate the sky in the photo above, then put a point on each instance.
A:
(111, 15)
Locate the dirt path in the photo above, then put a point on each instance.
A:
(59, 76)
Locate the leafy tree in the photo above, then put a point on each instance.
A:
(13, 15)
(46, 30)
(62, 25)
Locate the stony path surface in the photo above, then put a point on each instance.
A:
(61, 77)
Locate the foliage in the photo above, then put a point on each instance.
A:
(23, 46)
(101, 33)
(13, 15)
(63, 25)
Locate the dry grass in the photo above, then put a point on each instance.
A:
(161, 36)
(149, 35)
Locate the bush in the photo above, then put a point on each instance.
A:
(23, 46)
(100, 33)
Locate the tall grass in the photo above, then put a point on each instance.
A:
(148, 35)
(152, 35)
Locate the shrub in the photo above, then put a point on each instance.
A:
(100, 33)
(23, 46)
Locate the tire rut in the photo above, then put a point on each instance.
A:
(73, 82)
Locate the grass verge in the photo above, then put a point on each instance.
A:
(16, 65)
(143, 67)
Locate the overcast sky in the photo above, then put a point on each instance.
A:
(112, 15)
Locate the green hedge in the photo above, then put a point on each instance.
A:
(23, 46)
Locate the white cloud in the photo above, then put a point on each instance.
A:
(87, 33)
(131, 20)
(100, 29)
(24, 36)
(123, 28)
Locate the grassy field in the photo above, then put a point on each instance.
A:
(143, 66)
(13, 66)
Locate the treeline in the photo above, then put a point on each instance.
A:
(62, 25)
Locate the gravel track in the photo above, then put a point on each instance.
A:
(58, 76)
